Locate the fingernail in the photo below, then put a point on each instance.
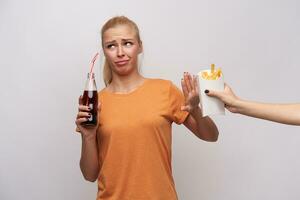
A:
(206, 91)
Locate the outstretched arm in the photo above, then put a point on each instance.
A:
(281, 113)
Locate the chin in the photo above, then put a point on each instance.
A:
(123, 71)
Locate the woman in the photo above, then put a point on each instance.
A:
(281, 113)
(129, 152)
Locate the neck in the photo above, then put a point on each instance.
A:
(125, 84)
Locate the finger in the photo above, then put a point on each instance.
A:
(83, 114)
(190, 78)
(184, 89)
(77, 129)
(228, 107)
(187, 82)
(80, 100)
(83, 108)
(185, 108)
(213, 93)
(196, 84)
(99, 106)
(80, 120)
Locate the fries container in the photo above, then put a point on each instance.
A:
(211, 105)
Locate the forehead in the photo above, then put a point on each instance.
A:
(119, 32)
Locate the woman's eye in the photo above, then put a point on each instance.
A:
(110, 46)
(128, 44)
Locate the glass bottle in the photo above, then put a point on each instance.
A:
(90, 99)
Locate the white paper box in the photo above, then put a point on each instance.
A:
(211, 105)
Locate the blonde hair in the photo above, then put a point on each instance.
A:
(115, 21)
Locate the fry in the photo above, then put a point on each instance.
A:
(212, 68)
(212, 74)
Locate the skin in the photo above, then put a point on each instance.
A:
(121, 49)
(281, 113)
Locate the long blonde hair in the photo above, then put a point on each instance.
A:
(118, 20)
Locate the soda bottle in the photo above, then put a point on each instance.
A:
(90, 99)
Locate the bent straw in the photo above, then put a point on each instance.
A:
(93, 63)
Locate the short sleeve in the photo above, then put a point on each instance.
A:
(176, 99)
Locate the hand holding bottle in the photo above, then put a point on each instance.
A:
(83, 116)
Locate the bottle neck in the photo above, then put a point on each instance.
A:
(91, 75)
(90, 84)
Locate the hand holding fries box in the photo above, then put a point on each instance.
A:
(211, 80)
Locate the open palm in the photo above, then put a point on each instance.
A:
(190, 90)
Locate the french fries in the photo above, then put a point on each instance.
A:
(213, 74)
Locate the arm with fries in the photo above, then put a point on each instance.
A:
(203, 127)
(281, 113)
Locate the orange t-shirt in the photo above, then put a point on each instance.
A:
(134, 142)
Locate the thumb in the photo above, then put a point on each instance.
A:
(213, 93)
(185, 108)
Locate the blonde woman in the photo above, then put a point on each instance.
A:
(129, 152)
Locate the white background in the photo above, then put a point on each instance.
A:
(45, 49)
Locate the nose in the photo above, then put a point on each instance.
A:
(120, 51)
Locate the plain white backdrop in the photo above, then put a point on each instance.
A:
(45, 49)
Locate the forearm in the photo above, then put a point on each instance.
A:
(204, 127)
(89, 162)
(282, 113)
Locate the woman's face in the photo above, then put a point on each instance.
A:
(121, 49)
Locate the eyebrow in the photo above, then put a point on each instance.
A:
(113, 41)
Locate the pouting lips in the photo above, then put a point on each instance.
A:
(121, 62)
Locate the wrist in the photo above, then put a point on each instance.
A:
(239, 105)
(88, 137)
